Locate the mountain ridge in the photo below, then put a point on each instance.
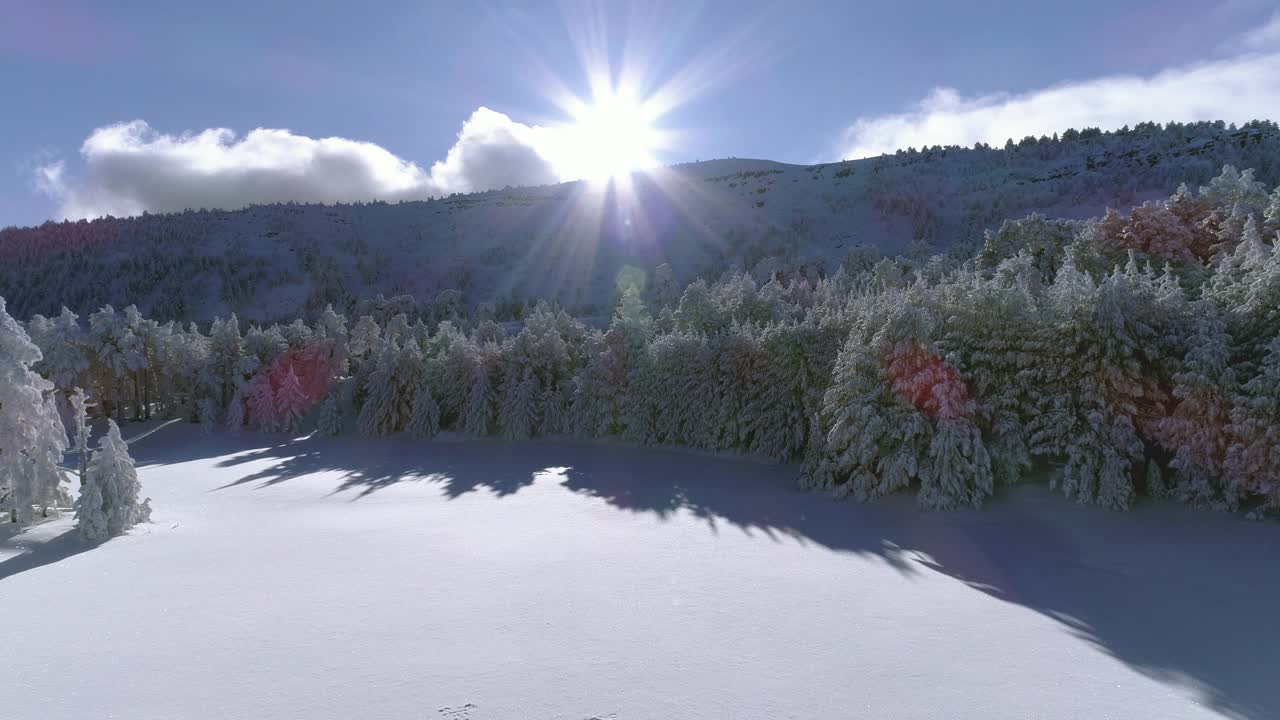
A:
(570, 242)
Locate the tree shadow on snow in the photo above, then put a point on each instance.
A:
(38, 553)
(1184, 596)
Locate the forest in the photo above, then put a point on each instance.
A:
(1131, 356)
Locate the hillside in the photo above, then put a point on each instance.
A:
(569, 242)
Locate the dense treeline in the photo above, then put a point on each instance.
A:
(1137, 354)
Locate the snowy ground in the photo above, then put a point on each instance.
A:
(547, 580)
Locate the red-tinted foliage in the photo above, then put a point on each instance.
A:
(921, 377)
(314, 367)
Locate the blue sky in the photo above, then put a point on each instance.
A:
(792, 81)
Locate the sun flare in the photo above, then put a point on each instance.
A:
(609, 137)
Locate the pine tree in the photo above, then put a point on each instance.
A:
(334, 409)
(32, 437)
(1271, 216)
(226, 367)
(555, 411)
(389, 393)
(480, 401)
(261, 402)
(1093, 386)
(80, 423)
(1253, 461)
(898, 414)
(108, 505)
(290, 402)
(1196, 431)
(364, 338)
(424, 424)
(237, 409)
(519, 406)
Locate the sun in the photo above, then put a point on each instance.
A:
(610, 137)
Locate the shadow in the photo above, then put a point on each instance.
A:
(39, 552)
(1184, 596)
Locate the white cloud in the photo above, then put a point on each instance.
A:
(1265, 37)
(494, 151)
(1235, 90)
(49, 178)
(130, 167)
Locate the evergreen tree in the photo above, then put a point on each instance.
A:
(1196, 431)
(1093, 386)
(334, 409)
(261, 403)
(1252, 462)
(108, 505)
(80, 424)
(478, 420)
(425, 421)
(519, 411)
(390, 390)
(32, 437)
(290, 402)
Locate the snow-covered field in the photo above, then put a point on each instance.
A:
(485, 580)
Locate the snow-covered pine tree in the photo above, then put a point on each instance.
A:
(1255, 321)
(397, 328)
(479, 416)
(991, 338)
(290, 402)
(61, 341)
(897, 414)
(226, 355)
(207, 411)
(296, 334)
(1232, 189)
(108, 505)
(365, 337)
(32, 436)
(519, 411)
(1271, 215)
(600, 390)
(391, 387)
(80, 426)
(1253, 460)
(555, 411)
(1196, 431)
(680, 369)
(336, 407)
(261, 402)
(1228, 284)
(424, 424)
(333, 327)
(1092, 385)
(639, 416)
(265, 344)
(731, 420)
(237, 409)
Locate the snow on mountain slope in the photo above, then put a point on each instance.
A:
(569, 242)
(351, 578)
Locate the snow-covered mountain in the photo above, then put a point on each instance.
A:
(571, 242)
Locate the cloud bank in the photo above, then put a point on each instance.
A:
(1239, 89)
(130, 168)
